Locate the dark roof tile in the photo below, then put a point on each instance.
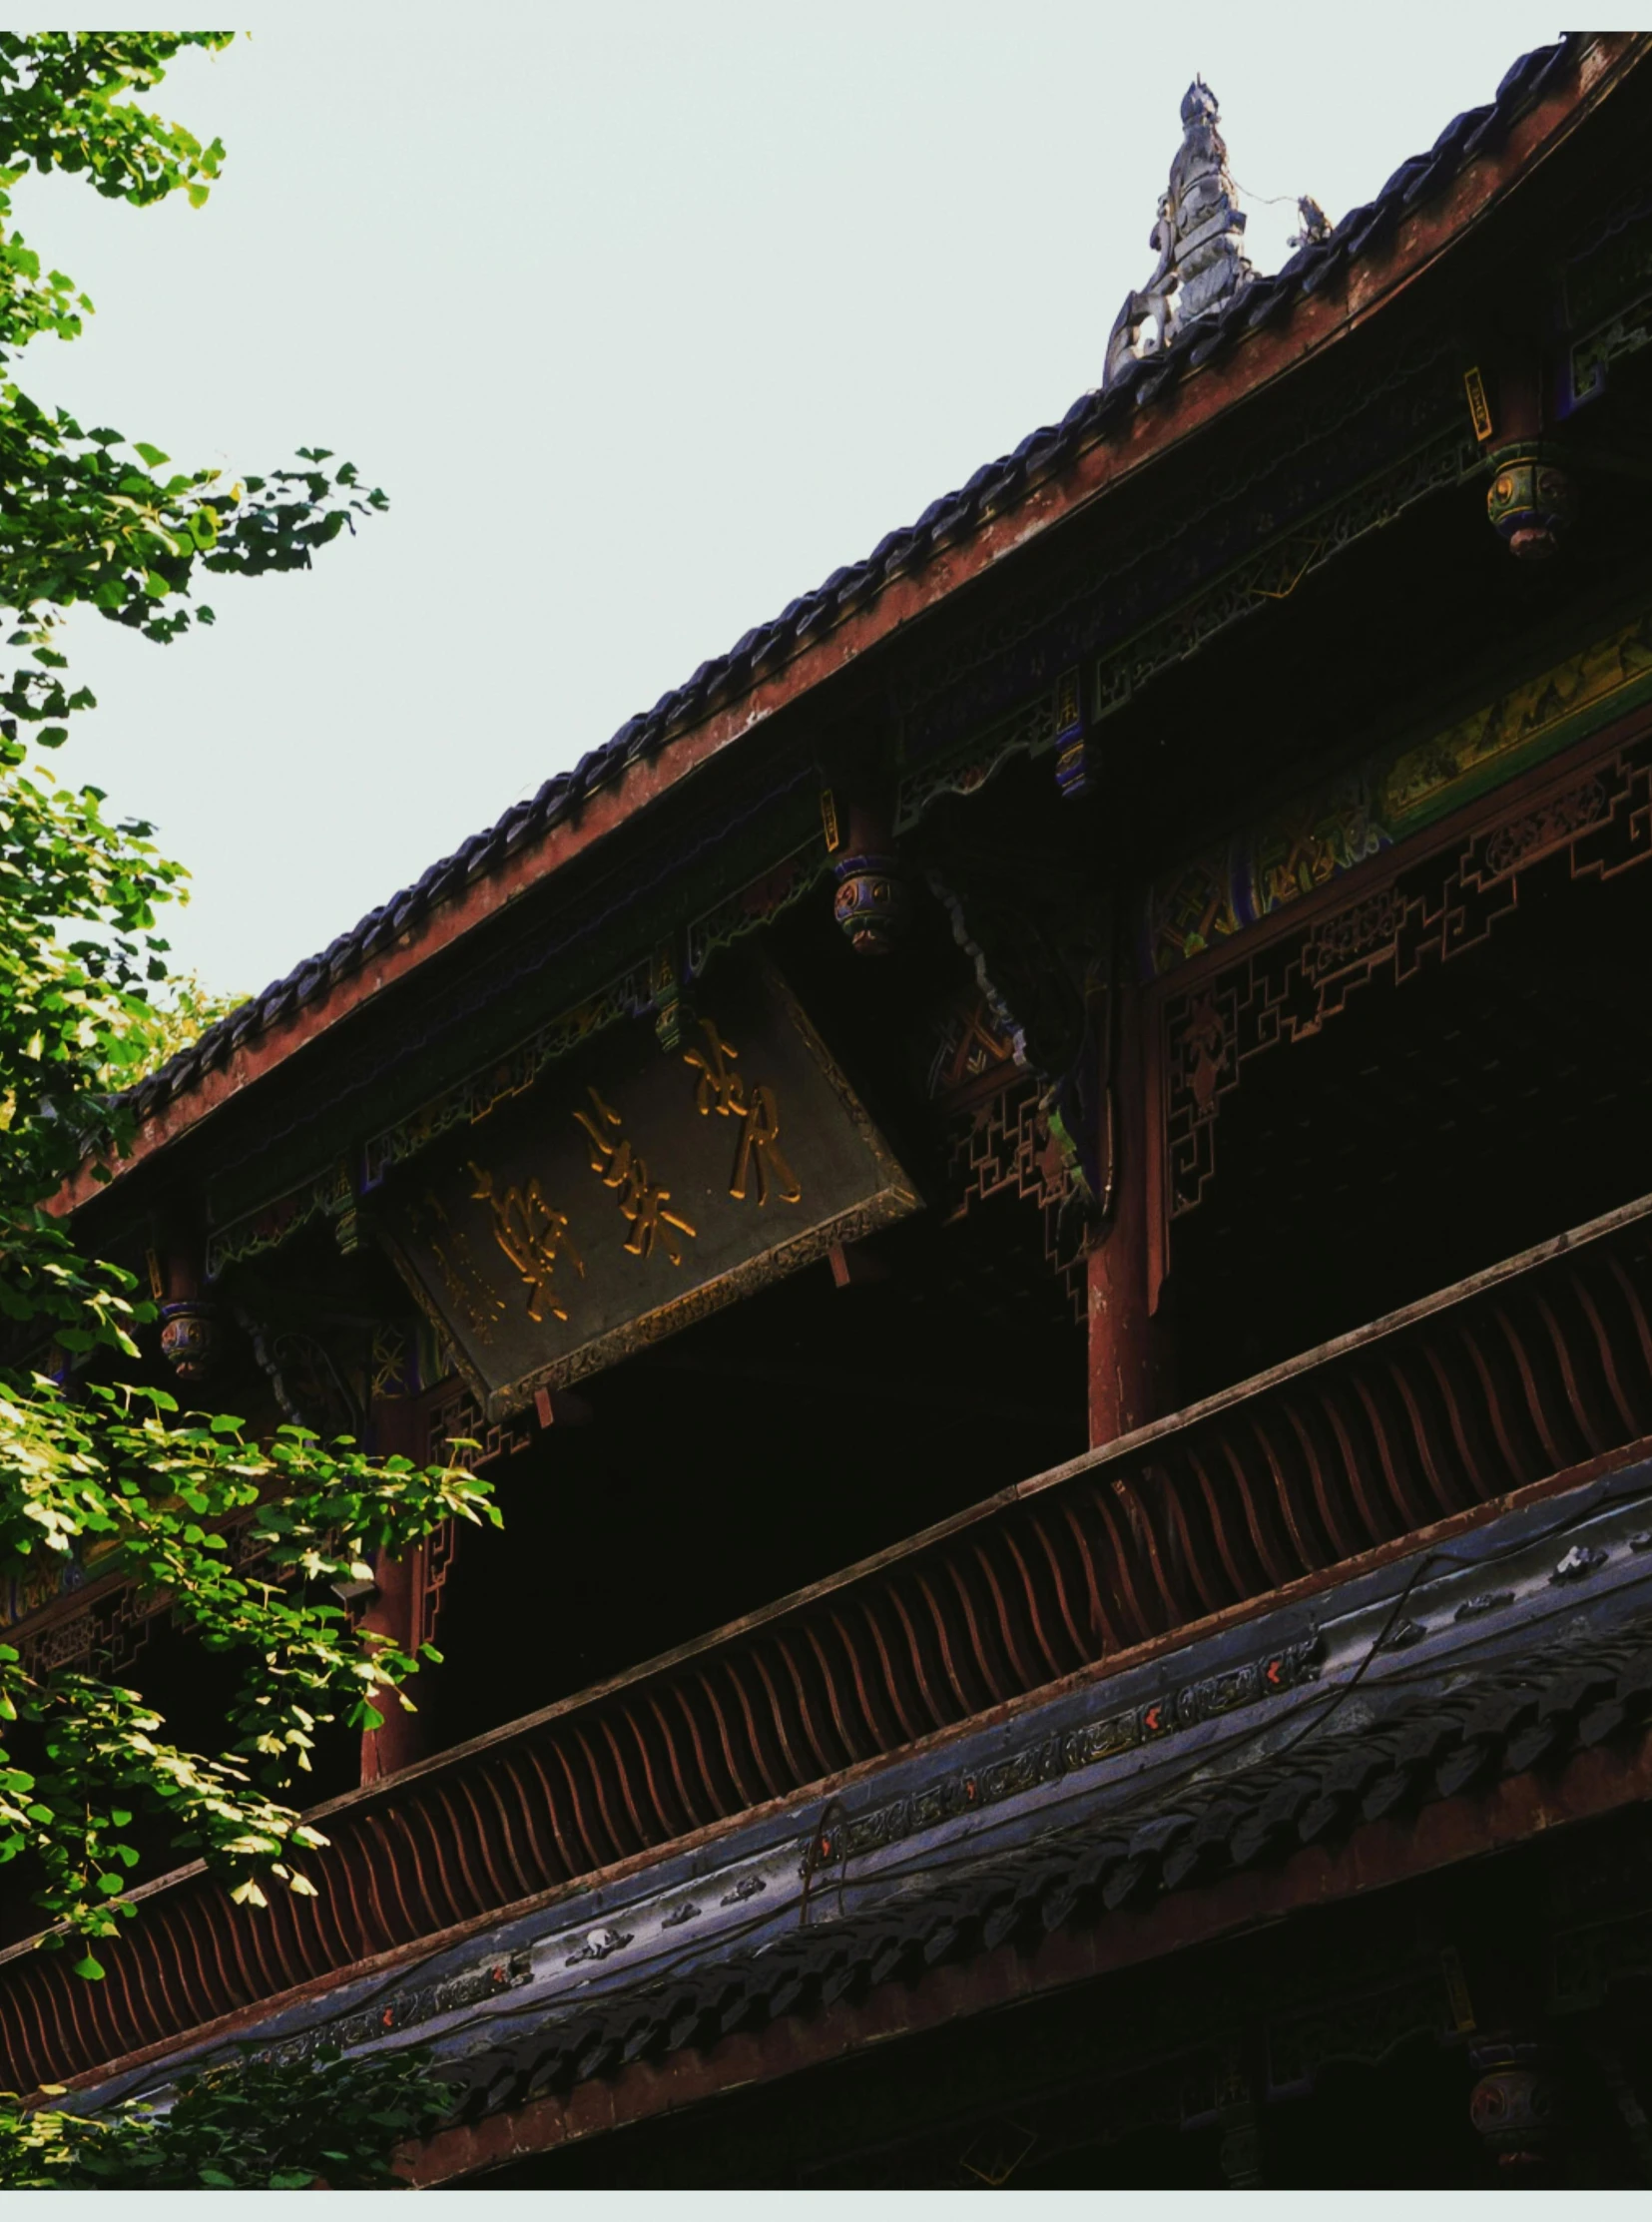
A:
(1414, 167)
(1083, 1874)
(950, 517)
(1513, 83)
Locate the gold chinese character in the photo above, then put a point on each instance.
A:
(645, 1206)
(532, 1236)
(641, 1202)
(759, 1147)
(467, 1291)
(718, 1089)
(601, 1148)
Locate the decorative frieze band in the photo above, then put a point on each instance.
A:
(1284, 987)
(1321, 835)
(1053, 1756)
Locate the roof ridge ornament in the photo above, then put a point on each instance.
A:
(1312, 224)
(1197, 237)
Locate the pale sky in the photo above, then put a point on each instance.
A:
(646, 317)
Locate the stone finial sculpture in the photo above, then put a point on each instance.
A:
(1198, 239)
(1211, 266)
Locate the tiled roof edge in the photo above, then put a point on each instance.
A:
(946, 521)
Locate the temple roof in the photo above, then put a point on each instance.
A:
(1492, 1683)
(954, 519)
(1445, 1736)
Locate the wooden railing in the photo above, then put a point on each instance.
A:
(1523, 1373)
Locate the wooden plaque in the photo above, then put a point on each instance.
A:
(632, 1191)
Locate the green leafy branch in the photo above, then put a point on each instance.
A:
(262, 2124)
(89, 519)
(159, 1496)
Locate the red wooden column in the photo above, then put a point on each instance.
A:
(397, 1611)
(1128, 1354)
(398, 1608)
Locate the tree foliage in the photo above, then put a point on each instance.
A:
(91, 1458)
(259, 2125)
(176, 1019)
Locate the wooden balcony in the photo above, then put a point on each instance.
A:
(1518, 1378)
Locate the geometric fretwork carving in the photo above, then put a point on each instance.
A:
(970, 1055)
(478, 1444)
(457, 1415)
(1360, 2032)
(110, 1629)
(1413, 916)
(1006, 1144)
(105, 1636)
(439, 1548)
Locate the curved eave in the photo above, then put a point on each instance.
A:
(1132, 429)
